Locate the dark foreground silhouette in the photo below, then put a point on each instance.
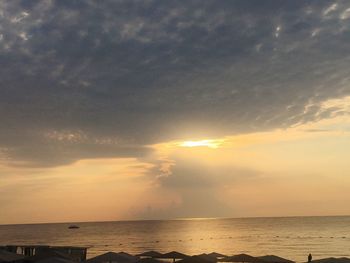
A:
(69, 254)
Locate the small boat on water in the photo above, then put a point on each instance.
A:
(73, 227)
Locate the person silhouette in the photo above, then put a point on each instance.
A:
(309, 258)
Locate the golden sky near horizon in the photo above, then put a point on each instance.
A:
(301, 170)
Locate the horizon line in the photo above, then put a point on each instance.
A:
(171, 219)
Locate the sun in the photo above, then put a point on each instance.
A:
(214, 144)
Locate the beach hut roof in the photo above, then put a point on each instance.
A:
(332, 260)
(217, 255)
(113, 257)
(275, 259)
(241, 258)
(174, 255)
(47, 253)
(196, 259)
(152, 254)
(6, 256)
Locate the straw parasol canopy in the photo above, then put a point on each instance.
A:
(149, 260)
(128, 256)
(174, 255)
(207, 257)
(150, 254)
(275, 259)
(244, 258)
(6, 256)
(111, 257)
(196, 259)
(217, 255)
(332, 260)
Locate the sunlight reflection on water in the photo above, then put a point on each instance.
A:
(292, 238)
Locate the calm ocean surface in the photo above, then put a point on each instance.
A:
(292, 237)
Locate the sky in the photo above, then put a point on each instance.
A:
(157, 109)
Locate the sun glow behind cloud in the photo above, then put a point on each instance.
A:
(311, 157)
(214, 144)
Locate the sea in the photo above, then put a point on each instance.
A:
(289, 237)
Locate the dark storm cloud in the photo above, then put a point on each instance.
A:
(105, 78)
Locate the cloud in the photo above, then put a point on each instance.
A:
(140, 73)
(198, 189)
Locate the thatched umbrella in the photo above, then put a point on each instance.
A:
(207, 257)
(6, 256)
(110, 257)
(275, 259)
(217, 255)
(150, 254)
(332, 260)
(196, 259)
(149, 260)
(244, 258)
(174, 255)
(128, 256)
